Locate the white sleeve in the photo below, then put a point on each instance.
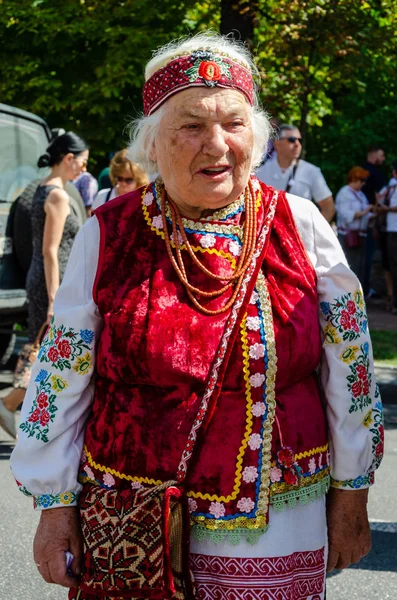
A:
(320, 189)
(354, 409)
(344, 208)
(46, 458)
(100, 198)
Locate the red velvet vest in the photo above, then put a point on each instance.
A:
(156, 349)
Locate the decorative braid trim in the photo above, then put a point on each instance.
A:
(303, 495)
(234, 537)
(266, 308)
(304, 482)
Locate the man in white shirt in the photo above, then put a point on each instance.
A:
(286, 171)
(390, 208)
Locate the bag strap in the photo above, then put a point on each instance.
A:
(108, 195)
(218, 368)
(291, 179)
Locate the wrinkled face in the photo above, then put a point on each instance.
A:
(203, 148)
(289, 147)
(125, 182)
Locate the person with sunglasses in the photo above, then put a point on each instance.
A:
(125, 176)
(287, 171)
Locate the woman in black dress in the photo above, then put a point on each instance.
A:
(54, 228)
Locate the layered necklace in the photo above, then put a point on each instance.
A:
(247, 250)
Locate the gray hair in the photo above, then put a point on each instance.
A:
(144, 129)
(284, 128)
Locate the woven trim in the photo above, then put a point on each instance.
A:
(271, 371)
(311, 452)
(251, 536)
(304, 482)
(302, 495)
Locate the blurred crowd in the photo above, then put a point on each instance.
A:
(363, 215)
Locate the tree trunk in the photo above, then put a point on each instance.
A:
(238, 17)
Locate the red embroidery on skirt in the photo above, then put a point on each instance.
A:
(299, 576)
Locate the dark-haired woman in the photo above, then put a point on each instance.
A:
(54, 228)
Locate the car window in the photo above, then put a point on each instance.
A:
(22, 142)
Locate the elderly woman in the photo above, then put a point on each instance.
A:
(232, 364)
(353, 210)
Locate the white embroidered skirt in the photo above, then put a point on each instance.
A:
(287, 563)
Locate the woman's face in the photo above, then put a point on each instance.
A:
(79, 163)
(204, 148)
(125, 182)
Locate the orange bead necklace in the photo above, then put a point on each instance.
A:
(247, 250)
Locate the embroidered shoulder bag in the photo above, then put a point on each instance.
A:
(136, 542)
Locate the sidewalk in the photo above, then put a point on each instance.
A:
(379, 318)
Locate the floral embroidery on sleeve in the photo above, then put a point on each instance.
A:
(346, 317)
(360, 378)
(355, 484)
(62, 346)
(373, 420)
(43, 408)
(51, 500)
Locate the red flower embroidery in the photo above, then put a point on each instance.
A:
(44, 418)
(286, 457)
(42, 400)
(366, 388)
(379, 449)
(290, 477)
(209, 70)
(361, 372)
(357, 388)
(355, 326)
(351, 307)
(35, 416)
(64, 349)
(382, 433)
(345, 319)
(53, 354)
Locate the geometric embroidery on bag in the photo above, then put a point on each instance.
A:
(123, 540)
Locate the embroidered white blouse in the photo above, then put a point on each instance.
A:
(46, 458)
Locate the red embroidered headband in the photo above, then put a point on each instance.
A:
(200, 68)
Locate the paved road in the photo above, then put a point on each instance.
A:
(374, 579)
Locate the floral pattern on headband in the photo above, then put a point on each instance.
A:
(209, 67)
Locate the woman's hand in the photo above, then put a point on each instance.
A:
(349, 534)
(50, 312)
(58, 532)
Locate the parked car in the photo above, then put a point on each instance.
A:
(23, 138)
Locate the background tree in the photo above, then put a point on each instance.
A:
(79, 63)
(326, 65)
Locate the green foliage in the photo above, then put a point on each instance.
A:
(384, 346)
(79, 63)
(326, 65)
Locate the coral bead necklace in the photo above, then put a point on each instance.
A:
(236, 278)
